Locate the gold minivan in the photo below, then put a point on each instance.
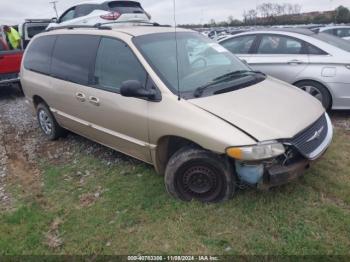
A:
(178, 101)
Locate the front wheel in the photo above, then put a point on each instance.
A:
(197, 174)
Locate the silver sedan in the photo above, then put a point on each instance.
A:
(318, 63)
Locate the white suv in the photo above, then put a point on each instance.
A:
(102, 11)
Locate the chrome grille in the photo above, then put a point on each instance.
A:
(310, 139)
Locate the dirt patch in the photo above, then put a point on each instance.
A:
(23, 147)
(341, 119)
(53, 238)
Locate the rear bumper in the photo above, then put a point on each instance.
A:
(9, 78)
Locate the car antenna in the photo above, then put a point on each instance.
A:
(177, 54)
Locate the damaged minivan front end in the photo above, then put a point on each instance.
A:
(274, 163)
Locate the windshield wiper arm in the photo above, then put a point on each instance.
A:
(199, 91)
(236, 73)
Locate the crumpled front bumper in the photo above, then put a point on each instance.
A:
(278, 175)
(296, 160)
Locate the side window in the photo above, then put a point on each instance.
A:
(313, 50)
(115, 63)
(73, 57)
(69, 15)
(38, 56)
(329, 31)
(342, 32)
(239, 45)
(276, 44)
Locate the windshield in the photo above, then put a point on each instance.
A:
(201, 61)
(333, 40)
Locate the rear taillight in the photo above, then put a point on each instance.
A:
(111, 16)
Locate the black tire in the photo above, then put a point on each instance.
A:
(326, 98)
(19, 86)
(197, 174)
(55, 131)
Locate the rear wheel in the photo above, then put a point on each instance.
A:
(48, 123)
(197, 174)
(318, 91)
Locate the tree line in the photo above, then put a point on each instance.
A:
(280, 14)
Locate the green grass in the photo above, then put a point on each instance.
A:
(133, 214)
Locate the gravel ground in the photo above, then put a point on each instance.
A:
(23, 146)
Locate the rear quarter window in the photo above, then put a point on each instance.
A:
(313, 50)
(38, 55)
(73, 57)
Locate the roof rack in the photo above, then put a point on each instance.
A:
(135, 22)
(69, 27)
(103, 26)
(44, 20)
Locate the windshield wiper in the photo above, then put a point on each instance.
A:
(226, 77)
(234, 74)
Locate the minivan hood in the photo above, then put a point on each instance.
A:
(267, 111)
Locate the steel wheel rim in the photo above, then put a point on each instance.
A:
(45, 122)
(313, 91)
(200, 182)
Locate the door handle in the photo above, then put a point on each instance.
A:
(295, 62)
(80, 97)
(94, 100)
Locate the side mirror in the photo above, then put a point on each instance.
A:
(133, 88)
(54, 20)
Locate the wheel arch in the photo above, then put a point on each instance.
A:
(37, 100)
(166, 148)
(318, 82)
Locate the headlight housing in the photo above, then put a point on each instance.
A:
(260, 151)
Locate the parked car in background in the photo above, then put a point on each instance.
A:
(318, 63)
(213, 125)
(30, 28)
(10, 62)
(339, 31)
(102, 11)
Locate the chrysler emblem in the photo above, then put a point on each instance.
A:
(316, 135)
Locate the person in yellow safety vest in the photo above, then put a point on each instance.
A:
(13, 37)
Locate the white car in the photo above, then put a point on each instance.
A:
(102, 11)
(339, 31)
(318, 63)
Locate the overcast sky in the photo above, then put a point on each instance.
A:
(188, 11)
